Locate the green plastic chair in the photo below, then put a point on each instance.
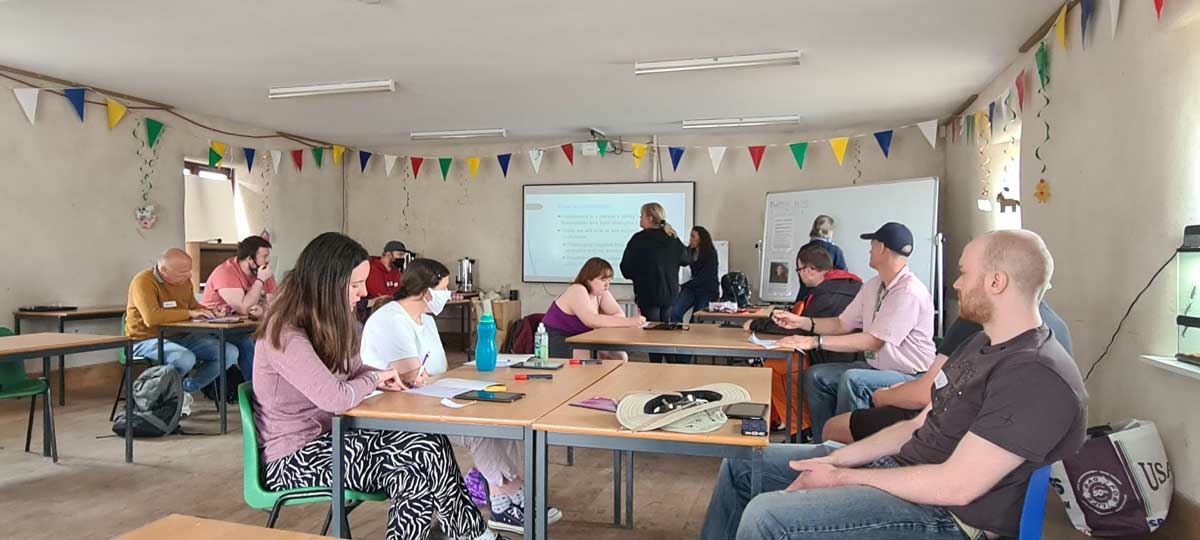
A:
(127, 365)
(15, 384)
(259, 497)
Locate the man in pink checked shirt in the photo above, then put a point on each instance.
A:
(895, 313)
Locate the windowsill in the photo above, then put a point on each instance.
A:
(1171, 364)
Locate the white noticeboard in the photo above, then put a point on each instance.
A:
(855, 210)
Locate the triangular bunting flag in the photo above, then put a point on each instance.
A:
(569, 151)
(473, 165)
(276, 158)
(416, 165)
(602, 146)
(929, 130)
(970, 128)
(116, 111)
(992, 117)
(535, 158)
(298, 159)
(799, 151)
(389, 163)
(589, 148)
(1060, 26)
(153, 130)
(1158, 7)
(839, 148)
(639, 152)
(504, 159)
(676, 153)
(1043, 65)
(28, 98)
(318, 155)
(249, 152)
(75, 96)
(1021, 89)
(1114, 13)
(444, 163)
(214, 157)
(716, 154)
(364, 157)
(884, 138)
(337, 154)
(1087, 12)
(220, 147)
(756, 154)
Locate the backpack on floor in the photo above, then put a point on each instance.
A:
(157, 404)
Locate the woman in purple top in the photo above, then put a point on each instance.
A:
(307, 369)
(586, 304)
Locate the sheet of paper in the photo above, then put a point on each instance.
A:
(505, 360)
(764, 343)
(373, 394)
(450, 387)
(456, 405)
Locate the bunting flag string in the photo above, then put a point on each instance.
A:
(569, 151)
(298, 159)
(28, 98)
(473, 165)
(444, 163)
(884, 138)
(799, 151)
(318, 155)
(716, 154)
(389, 163)
(154, 129)
(364, 157)
(116, 111)
(639, 152)
(535, 159)
(504, 159)
(676, 153)
(75, 96)
(249, 152)
(839, 148)
(756, 155)
(276, 157)
(416, 165)
(337, 154)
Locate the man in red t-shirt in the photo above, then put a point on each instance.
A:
(384, 279)
(242, 285)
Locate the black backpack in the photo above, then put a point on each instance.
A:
(735, 288)
(157, 404)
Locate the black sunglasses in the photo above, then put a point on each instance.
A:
(680, 400)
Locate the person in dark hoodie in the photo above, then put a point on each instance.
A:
(652, 260)
(703, 288)
(830, 291)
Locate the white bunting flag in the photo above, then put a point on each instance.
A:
(276, 157)
(1114, 10)
(535, 157)
(929, 130)
(590, 149)
(716, 154)
(388, 163)
(28, 98)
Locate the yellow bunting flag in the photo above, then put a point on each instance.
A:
(116, 112)
(220, 147)
(639, 152)
(1060, 26)
(839, 148)
(337, 154)
(473, 165)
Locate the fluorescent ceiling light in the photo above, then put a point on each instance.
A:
(717, 62)
(741, 122)
(359, 87)
(459, 134)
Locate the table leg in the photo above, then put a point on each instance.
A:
(17, 324)
(756, 472)
(541, 493)
(46, 417)
(221, 382)
(338, 504)
(161, 359)
(629, 490)
(787, 390)
(128, 402)
(62, 369)
(616, 488)
(531, 495)
(570, 456)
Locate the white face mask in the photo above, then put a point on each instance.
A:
(438, 301)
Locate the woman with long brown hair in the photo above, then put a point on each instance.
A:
(307, 369)
(586, 304)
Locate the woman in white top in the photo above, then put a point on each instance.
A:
(403, 335)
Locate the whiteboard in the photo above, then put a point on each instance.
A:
(855, 210)
(722, 262)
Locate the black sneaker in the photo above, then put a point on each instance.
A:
(513, 519)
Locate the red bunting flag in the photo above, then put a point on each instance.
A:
(1158, 5)
(756, 154)
(416, 165)
(298, 159)
(1021, 89)
(569, 150)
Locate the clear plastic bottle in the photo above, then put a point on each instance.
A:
(541, 343)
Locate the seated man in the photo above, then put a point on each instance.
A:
(242, 285)
(1014, 401)
(384, 278)
(894, 311)
(163, 294)
(906, 400)
(829, 292)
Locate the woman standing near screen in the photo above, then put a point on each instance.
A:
(652, 259)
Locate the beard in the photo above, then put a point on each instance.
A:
(974, 306)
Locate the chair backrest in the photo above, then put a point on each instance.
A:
(253, 492)
(1033, 513)
(11, 372)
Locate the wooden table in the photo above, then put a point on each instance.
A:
(48, 344)
(180, 527)
(399, 411)
(62, 316)
(589, 428)
(222, 331)
(699, 339)
(738, 318)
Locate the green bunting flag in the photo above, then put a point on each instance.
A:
(799, 150)
(153, 130)
(1043, 65)
(214, 157)
(318, 153)
(444, 163)
(602, 145)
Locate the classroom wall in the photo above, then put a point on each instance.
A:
(1125, 179)
(69, 190)
(481, 217)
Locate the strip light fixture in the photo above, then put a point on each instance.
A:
(741, 122)
(459, 134)
(718, 62)
(281, 92)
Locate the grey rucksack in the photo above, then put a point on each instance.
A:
(157, 404)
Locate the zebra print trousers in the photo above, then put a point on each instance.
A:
(416, 470)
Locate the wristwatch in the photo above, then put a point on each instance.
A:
(820, 343)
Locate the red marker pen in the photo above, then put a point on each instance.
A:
(531, 377)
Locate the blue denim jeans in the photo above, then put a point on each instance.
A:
(245, 358)
(838, 388)
(843, 513)
(187, 352)
(688, 299)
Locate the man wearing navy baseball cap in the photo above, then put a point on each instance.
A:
(894, 312)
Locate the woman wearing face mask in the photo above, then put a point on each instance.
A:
(586, 304)
(402, 335)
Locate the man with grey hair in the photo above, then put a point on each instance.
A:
(1014, 402)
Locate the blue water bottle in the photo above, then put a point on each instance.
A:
(485, 344)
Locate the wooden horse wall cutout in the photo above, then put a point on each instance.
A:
(1006, 203)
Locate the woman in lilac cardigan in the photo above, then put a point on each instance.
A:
(307, 369)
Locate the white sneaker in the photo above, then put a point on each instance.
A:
(187, 404)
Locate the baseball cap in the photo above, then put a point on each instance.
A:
(893, 236)
(394, 245)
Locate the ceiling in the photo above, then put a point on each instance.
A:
(535, 67)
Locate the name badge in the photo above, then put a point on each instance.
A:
(170, 304)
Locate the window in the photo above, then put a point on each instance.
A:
(209, 210)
